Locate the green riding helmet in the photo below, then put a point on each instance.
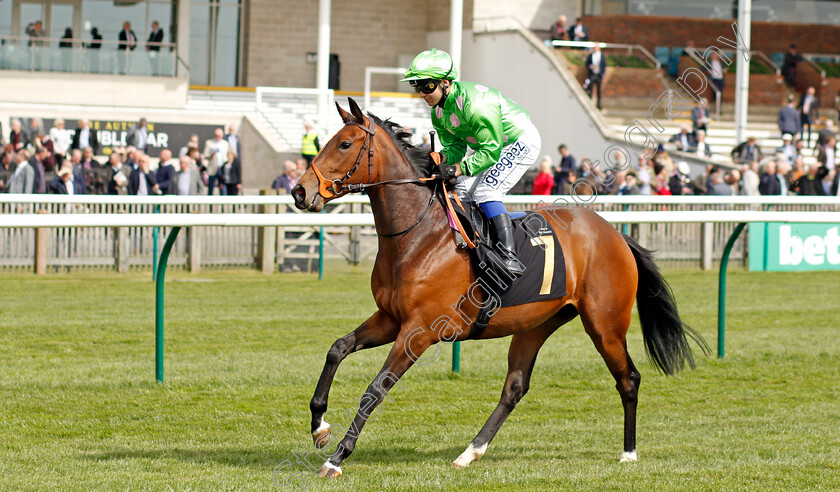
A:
(432, 64)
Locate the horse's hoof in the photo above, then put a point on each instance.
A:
(329, 471)
(322, 435)
(628, 456)
(471, 454)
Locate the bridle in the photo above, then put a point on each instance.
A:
(335, 188)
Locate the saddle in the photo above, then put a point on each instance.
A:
(537, 248)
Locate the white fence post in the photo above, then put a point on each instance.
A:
(706, 243)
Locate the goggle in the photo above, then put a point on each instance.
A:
(426, 86)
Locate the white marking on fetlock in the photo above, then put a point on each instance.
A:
(329, 465)
(471, 454)
(627, 456)
(321, 428)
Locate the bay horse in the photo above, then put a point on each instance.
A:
(419, 272)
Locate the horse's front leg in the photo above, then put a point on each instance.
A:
(378, 330)
(408, 348)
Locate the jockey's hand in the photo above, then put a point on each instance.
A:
(448, 173)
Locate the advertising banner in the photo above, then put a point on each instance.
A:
(776, 247)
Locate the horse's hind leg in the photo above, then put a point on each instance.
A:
(377, 330)
(607, 331)
(521, 357)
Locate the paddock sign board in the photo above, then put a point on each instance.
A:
(776, 247)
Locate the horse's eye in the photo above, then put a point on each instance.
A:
(345, 145)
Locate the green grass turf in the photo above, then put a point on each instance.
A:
(79, 408)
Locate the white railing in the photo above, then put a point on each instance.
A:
(366, 219)
(618, 46)
(81, 234)
(361, 199)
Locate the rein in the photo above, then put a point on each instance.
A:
(336, 188)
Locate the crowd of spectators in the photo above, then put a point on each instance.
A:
(754, 174)
(64, 162)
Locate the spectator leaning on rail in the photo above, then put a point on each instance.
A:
(36, 34)
(467, 114)
(557, 31)
(579, 32)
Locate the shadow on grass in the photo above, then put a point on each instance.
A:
(253, 458)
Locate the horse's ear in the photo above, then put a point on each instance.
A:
(357, 112)
(345, 116)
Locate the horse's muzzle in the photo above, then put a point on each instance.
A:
(312, 202)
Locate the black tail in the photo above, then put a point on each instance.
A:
(665, 334)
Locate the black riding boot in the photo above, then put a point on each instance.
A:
(506, 245)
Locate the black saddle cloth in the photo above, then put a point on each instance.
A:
(537, 248)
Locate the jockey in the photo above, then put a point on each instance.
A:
(505, 142)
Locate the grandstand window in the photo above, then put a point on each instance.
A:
(215, 39)
(5, 17)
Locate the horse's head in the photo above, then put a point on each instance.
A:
(345, 159)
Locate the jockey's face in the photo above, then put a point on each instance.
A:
(436, 95)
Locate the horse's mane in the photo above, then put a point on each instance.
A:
(418, 157)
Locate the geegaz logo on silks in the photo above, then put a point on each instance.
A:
(515, 153)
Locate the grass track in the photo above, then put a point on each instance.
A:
(79, 408)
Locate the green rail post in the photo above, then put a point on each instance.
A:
(724, 262)
(161, 273)
(456, 357)
(155, 233)
(625, 228)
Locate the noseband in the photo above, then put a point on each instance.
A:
(335, 188)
